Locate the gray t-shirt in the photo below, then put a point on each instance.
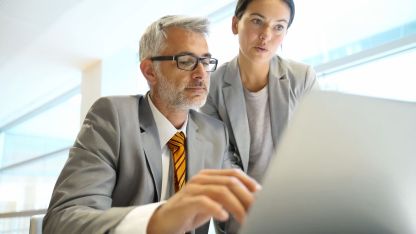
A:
(261, 143)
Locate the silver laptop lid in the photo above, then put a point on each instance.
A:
(346, 164)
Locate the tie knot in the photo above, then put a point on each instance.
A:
(177, 141)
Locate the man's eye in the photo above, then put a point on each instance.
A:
(205, 62)
(186, 63)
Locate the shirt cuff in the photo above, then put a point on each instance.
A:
(136, 220)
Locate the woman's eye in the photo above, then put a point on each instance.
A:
(256, 21)
(279, 28)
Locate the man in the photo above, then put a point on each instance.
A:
(121, 165)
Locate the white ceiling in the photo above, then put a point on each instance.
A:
(46, 44)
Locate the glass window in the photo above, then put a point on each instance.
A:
(50, 130)
(390, 77)
(33, 153)
(29, 186)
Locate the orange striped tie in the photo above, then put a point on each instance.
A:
(177, 146)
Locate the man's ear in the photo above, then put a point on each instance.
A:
(148, 71)
(234, 25)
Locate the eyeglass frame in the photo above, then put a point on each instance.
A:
(175, 58)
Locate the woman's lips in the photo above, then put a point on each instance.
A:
(261, 49)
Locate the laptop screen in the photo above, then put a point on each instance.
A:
(345, 164)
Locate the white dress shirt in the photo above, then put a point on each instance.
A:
(136, 220)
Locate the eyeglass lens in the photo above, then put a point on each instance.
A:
(189, 62)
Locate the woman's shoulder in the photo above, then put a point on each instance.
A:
(291, 69)
(289, 64)
(231, 64)
(301, 76)
(225, 73)
(220, 70)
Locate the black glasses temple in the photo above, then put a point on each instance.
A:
(162, 58)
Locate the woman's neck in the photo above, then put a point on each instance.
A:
(254, 76)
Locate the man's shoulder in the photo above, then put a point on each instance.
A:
(118, 102)
(120, 98)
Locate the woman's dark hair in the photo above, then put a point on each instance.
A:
(242, 6)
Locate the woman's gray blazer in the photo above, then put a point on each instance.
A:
(288, 82)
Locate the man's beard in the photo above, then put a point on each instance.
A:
(169, 93)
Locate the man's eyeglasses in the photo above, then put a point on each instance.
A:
(189, 62)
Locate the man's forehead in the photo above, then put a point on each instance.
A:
(181, 40)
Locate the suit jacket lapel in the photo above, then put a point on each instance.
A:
(236, 109)
(279, 97)
(151, 144)
(195, 148)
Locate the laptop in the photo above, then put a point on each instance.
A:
(345, 164)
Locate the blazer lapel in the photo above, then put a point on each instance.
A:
(236, 109)
(151, 144)
(195, 148)
(279, 97)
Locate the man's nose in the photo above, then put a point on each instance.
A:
(200, 71)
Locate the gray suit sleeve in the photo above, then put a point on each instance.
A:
(311, 83)
(231, 157)
(81, 201)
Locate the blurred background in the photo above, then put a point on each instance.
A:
(58, 56)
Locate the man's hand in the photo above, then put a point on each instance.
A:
(210, 193)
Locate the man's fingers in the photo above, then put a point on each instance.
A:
(210, 208)
(250, 183)
(221, 194)
(235, 185)
(215, 193)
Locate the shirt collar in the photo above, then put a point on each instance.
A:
(165, 128)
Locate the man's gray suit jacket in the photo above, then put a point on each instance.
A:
(115, 164)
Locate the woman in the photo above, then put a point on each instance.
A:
(256, 92)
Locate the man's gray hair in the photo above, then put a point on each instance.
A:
(153, 39)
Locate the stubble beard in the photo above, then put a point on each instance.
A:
(178, 99)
